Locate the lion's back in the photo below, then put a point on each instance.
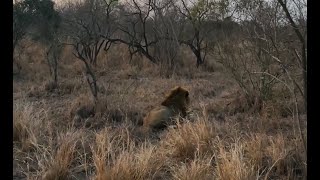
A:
(157, 116)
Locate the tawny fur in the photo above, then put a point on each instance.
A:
(175, 104)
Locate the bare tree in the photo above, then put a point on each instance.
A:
(265, 36)
(302, 58)
(136, 30)
(85, 29)
(53, 56)
(266, 55)
(21, 22)
(197, 16)
(40, 21)
(167, 48)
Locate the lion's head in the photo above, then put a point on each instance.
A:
(177, 98)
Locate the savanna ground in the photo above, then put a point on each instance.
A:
(220, 139)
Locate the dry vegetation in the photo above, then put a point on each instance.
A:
(78, 103)
(218, 140)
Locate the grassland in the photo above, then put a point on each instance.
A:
(220, 139)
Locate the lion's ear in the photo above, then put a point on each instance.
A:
(173, 91)
(178, 88)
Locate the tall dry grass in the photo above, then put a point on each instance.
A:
(192, 150)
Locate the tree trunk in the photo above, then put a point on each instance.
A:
(92, 81)
(55, 70)
(199, 58)
(304, 66)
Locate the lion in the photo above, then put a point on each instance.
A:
(175, 104)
